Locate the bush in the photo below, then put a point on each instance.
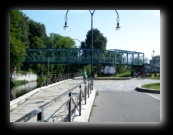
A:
(17, 82)
(40, 80)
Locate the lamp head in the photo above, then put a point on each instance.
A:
(65, 26)
(118, 27)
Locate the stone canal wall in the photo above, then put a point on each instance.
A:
(27, 77)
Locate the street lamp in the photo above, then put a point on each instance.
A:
(92, 13)
(118, 19)
(78, 47)
(49, 46)
(153, 58)
(78, 40)
(154, 63)
(78, 54)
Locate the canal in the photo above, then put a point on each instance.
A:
(17, 91)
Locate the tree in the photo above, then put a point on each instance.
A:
(37, 68)
(17, 52)
(146, 60)
(37, 30)
(99, 41)
(17, 38)
(37, 42)
(59, 41)
(37, 39)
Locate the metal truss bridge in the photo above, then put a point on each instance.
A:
(83, 56)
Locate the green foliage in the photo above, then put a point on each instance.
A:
(17, 44)
(152, 86)
(59, 41)
(17, 82)
(41, 80)
(36, 42)
(146, 60)
(99, 41)
(37, 30)
(17, 52)
(58, 68)
(15, 23)
(124, 74)
(120, 68)
(97, 93)
(26, 33)
(155, 77)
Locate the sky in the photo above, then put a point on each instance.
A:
(140, 29)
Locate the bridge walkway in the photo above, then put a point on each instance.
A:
(43, 96)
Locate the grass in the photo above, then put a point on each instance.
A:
(127, 74)
(152, 86)
(94, 105)
(124, 74)
(17, 82)
(97, 93)
(155, 77)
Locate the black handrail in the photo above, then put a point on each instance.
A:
(40, 111)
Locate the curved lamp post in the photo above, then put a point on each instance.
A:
(78, 50)
(153, 58)
(78, 40)
(154, 62)
(92, 13)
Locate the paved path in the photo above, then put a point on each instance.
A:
(119, 102)
(42, 97)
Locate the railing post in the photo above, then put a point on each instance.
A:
(88, 88)
(40, 117)
(91, 85)
(85, 91)
(80, 100)
(69, 111)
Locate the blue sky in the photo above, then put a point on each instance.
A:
(140, 29)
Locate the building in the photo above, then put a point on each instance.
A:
(155, 61)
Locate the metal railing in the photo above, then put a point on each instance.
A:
(53, 78)
(84, 90)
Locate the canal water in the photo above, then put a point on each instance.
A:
(17, 91)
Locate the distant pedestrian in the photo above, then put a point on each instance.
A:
(132, 73)
(84, 74)
(155, 75)
(142, 74)
(135, 73)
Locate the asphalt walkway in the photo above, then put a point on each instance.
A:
(111, 106)
(118, 101)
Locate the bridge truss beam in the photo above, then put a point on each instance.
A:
(82, 56)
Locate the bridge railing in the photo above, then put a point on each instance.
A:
(82, 56)
(74, 102)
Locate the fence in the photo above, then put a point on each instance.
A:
(53, 78)
(76, 97)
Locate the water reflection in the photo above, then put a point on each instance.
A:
(18, 91)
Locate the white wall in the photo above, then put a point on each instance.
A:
(28, 77)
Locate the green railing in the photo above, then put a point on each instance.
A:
(83, 56)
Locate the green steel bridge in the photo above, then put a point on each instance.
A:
(83, 56)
